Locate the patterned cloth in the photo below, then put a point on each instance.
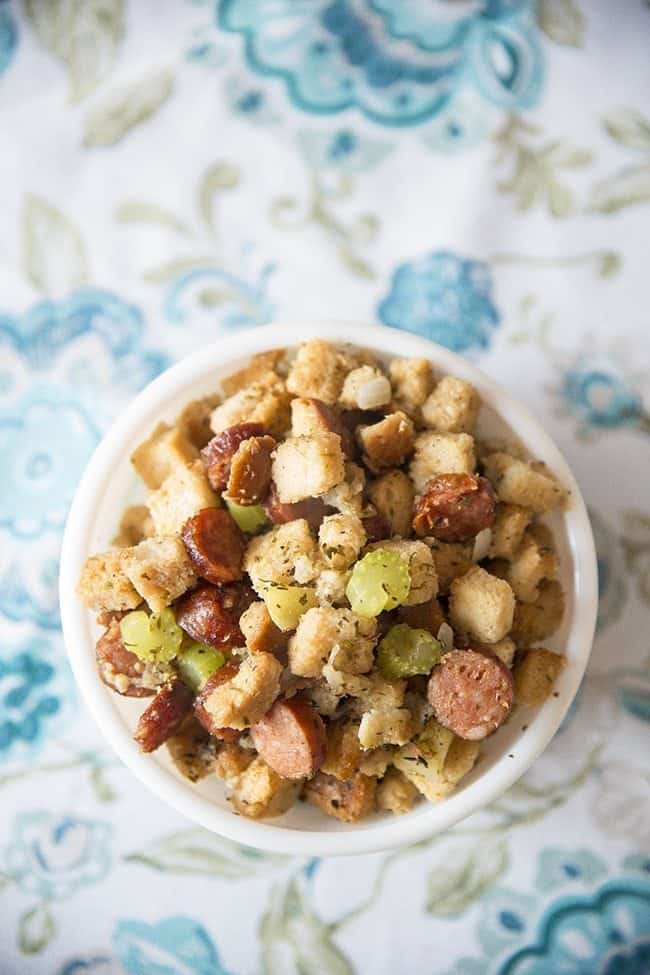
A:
(477, 172)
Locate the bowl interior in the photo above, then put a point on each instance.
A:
(110, 485)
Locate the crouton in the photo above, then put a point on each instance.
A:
(504, 649)
(259, 791)
(441, 453)
(231, 761)
(535, 674)
(157, 457)
(341, 537)
(194, 420)
(104, 585)
(386, 726)
(376, 761)
(344, 752)
(331, 585)
(395, 793)
(181, 496)
(347, 497)
(159, 569)
(388, 442)
(312, 417)
(318, 370)
(436, 761)
(518, 482)
(258, 403)
(287, 554)
(339, 634)
(368, 690)
(365, 388)
(262, 369)
(412, 381)
(348, 801)
(193, 750)
(392, 495)
(539, 620)
(417, 555)
(452, 407)
(481, 605)
(135, 524)
(260, 632)
(451, 559)
(241, 701)
(306, 467)
(323, 697)
(508, 530)
(533, 561)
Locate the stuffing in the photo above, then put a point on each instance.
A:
(241, 701)
(436, 761)
(451, 559)
(452, 407)
(257, 403)
(331, 585)
(412, 381)
(135, 524)
(534, 560)
(535, 674)
(370, 690)
(341, 537)
(311, 417)
(194, 420)
(481, 605)
(306, 467)
(338, 634)
(262, 368)
(441, 453)
(518, 482)
(347, 497)
(318, 370)
(259, 791)
(505, 650)
(386, 726)
(424, 616)
(159, 569)
(181, 496)
(192, 750)
(260, 632)
(418, 557)
(287, 554)
(344, 751)
(365, 388)
(540, 619)
(157, 457)
(508, 530)
(348, 801)
(104, 585)
(395, 793)
(388, 442)
(377, 760)
(392, 495)
(231, 761)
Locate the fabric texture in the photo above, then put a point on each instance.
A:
(477, 172)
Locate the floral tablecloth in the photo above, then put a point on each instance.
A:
(476, 171)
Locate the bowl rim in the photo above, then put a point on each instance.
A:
(140, 415)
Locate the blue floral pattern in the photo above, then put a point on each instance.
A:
(600, 396)
(8, 39)
(444, 297)
(399, 64)
(174, 945)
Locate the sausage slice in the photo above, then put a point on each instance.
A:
(455, 507)
(250, 470)
(218, 453)
(313, 510)
(221, 676)
(291, 738)
(471, 692)
(163, 717)
(119, 668)
(215, 545)
(211, 614)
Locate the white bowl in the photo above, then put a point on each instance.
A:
(109, 484)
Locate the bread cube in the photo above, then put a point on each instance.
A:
(193, 750)
(258, 403)
(260, 632)
(376, 761)
(341, 538)
(533, 561)
(508, 530)
(535, 674)
(540, 619)
(104, 585)
(368, 690)
(348, 801)
(417, 555)
(435, 766)
(157, 457)
(481, 605)
(451, 559)
(347, 496)
(181, 496)
(344, 751)
(135, 524)
(388, 442)
(331, 585)
(194, 420)
(452, 407)
(395, 793)
(441, 453)
(311, 417)
(412, 381)
(365, 388)
(386, 726)
(262, 369)
(160, 570)
(518, 482)
(338, 634)
(287, 554)
(231, 761)
(504, 649)
(392, 495)
(318, 370)
(306, 467)
(260, 791)
(241, 701)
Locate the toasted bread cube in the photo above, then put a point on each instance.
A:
(535, 674)
(347, 496)
(262, 369)
(539, 620)
(339, 634)
(386, 726)
(312, 417)
(193, 750)
(260, 792)
(344, 751)
(246, 697)
(417, 555)
(412, 381)
(181, 496)
(508, 530)
(331, 585)
(369, 690)
(376, 761)
(365, 388)
(395, 793)
(388, 442)
(341, 538)
(481, 605)
(157, 457)
(348, 801)
(287, 554)
(451, 559)
(320, 694)
(435, 767)
(104, 585)
(258, 403)
(518, 482)
(231, 761)
(160, 570)
(504, 649)
(452, 407)
(441, 453)
(534, 560)
(306, 467)
(260, 632)
(392, 495)
(135, 524)
(194, 420)
(318, 370)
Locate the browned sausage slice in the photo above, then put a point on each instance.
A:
(291, 738)
(221, 676)
(250, 471)
(163, 717)
(217, 455)
(215, 545)
(211, 615)
(118, 668)
(313, 510)
(471, 692)
(376, 527)
(455, 507)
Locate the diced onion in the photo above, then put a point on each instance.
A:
(482, 544)
(445, 637)
(376, 392)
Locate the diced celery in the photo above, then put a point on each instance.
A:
(380, 581)
(433, 743)
(286, 604)
(197, 662)
(152, 638)
(249, 518)
(406, 652)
